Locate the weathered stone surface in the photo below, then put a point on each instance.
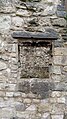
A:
(65, 68)
(5, 22)
(61, 87)
(33, 98)
(2, 65)
(17, 21)
(60, 51)
(48, 34)
(57, 116)
(60, 8)
(20, 107)
(59, 22)
(46, 116)
(41, 88)
(23, 13)
(56, 70)
(61, 14)
(58, 109)
(7, 6)
(24, 87)
(31, 108)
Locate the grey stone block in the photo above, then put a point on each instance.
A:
(42, 88)
(24, 87)
(61, 14)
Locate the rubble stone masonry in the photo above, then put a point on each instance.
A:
(33, 75)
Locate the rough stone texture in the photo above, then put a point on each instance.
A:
(5, 22)
(58, 117)
(39, 97)
(2, 65)
(46, 116)
(34, 60)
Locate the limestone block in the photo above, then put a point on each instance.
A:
(27, 100)
(7, 6)
(2, 93)
(46, 116)
(64, 60)
(57, 60)
(61, 100)
(31, 108)
(57, 116)
(56, 70)
(61, 87)
(65, 68)
(56, 94)
(9, 94)
(17, 21)
(58, 109)
(59, 22)
(44, 107)
(5, 22)
(60, 51)
(23, 13)
(2, 65)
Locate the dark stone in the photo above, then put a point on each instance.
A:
(14, 118)
(37, 72)
(41, 88)
(65, 116)
(64, 36)
(61, 14)
(60, 8)
(49, 34)
(24, 87)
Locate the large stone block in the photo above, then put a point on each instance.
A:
(5, 22)
(57, 116)
(2, 65)
(59, 22)
(24, 87)
(40, 89)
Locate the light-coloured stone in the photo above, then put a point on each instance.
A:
(2, 65)
(60, 51)
(56, 70)
(23, 13)
(59, 22)
(28, 101)
(5, 22)
(2, 93)
(57, 60)
(9, 94)
(46, 116)
(61, 100)
(57, 116)
(17, 21)
(31, 108)
(56, 94)
(65, 68)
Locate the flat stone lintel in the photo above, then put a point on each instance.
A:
(37, 35)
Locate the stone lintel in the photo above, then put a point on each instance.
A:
(37, 35)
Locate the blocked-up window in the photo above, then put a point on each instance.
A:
(35, 53)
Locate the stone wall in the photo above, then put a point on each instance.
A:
(32, 98)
